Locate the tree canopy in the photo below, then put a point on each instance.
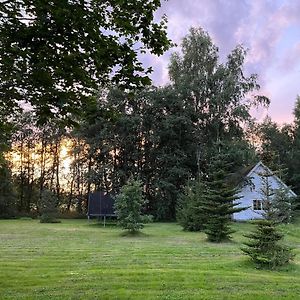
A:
(56, 54)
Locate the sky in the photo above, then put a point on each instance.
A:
(269, 29)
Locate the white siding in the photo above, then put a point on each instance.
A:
(253, 192)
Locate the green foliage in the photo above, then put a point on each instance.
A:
(220, 204)
(190, 213)
(264, 247)
(7, 192)
(128, 206)
(48, 207)
(215, 90)
(57, 54)
(283, 204)
(167, 135)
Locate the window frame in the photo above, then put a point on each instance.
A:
(257, 204)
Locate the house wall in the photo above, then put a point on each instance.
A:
(253, 192)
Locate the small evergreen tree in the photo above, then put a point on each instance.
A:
(264, 246)
(128, 206)
(190, 214)
(220, 204)
(48, 207)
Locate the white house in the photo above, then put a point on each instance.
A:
(251, 192)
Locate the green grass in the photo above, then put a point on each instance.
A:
(77, 260)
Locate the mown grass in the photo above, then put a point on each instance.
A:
(77, 260)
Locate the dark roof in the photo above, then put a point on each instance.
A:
(237, 178)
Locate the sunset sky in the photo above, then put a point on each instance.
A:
(270, 29)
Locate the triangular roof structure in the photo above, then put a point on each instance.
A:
(261, 164)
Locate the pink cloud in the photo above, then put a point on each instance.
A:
(291, 59)
(261, 26)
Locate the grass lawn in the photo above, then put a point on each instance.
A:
(77, 260)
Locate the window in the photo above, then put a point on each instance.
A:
(257, 205)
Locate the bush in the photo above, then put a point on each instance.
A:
(48, 207)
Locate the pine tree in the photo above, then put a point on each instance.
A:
(220, 204)
(264, 246)
(191, 214)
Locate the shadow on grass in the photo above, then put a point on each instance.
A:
(101, 225)
(245, 264)
(136, 234)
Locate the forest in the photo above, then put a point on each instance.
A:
(163, 136)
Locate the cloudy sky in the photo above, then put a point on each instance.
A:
(270, 29)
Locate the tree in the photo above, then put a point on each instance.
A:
(7, 192)
(48, 207)
(191, 213)
(220, 204)
(128, 206)
(56, 54)
(263, 245)
(164, 136)
(216, 91)
(283, 204)
(276, 146)
(295, 157)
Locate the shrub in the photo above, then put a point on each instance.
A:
(48, 207)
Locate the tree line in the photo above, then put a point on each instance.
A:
(163, 136)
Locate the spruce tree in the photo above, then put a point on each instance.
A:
(191, 214)
(264, 246)
(220, 204)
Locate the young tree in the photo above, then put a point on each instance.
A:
(48, 207)
(220, 204)
(128, 206)
(264, 246)
(190, 213)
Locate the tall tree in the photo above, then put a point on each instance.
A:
(220, 204)
(295, 160)
(56, 54)
(215, 91)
